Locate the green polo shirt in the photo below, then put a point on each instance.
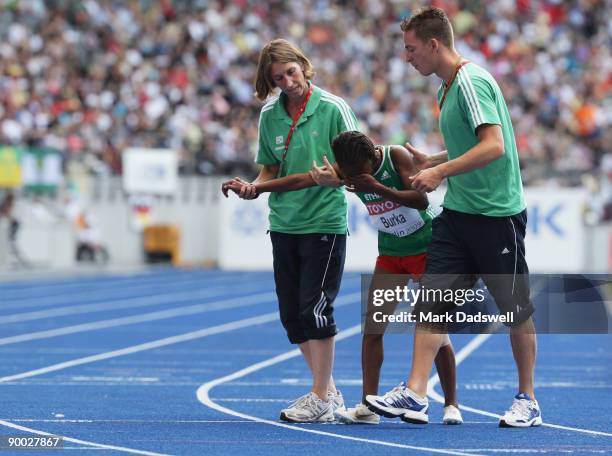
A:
(316, 209)
(474, 99)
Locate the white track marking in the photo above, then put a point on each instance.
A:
(537, 450)
(102, 305)
(111, 292)
(82, 442)
(261, 319)
(62, 420)
(466, 351)
(204, 390)
(240, 301)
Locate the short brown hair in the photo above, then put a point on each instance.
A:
(278, 51)
(430, 22)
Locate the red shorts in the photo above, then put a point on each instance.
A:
(413, 265)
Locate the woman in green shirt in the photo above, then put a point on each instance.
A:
(307, 226)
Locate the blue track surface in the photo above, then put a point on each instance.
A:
(97, 360)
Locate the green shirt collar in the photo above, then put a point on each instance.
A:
(281, 114)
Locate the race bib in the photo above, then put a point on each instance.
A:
(393, 218)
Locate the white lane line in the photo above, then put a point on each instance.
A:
(104, 302)
(261, 319)
(113, 291)
(258, 320)
(82, 442)
(203, 394)
(240, 301)
(466, 351)
(103, 305)
(126, 351)
(58, 420)
(581, 450)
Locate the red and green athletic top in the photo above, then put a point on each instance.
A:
(402, 230)
(315, 209)
(496, 189)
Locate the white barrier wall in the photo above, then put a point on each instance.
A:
(232, 233)
(555, 234)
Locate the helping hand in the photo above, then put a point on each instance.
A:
(244, 190)
(325, 175)
(420, 159)
(426, 180)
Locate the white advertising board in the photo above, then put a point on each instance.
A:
(150, 171)
(554, 242)
(555, 230)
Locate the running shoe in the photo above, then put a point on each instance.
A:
(309, 409)
(360, 414)
(400, 402)
(524, 412)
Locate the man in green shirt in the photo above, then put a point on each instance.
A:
(481, 230)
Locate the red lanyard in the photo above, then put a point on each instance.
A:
(293, 124)
(450, 83)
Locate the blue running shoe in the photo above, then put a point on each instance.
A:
(524, 412)
(400, 402)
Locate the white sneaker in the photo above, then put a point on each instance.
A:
(295, 403)
(400, 402)
(309, 409)
(452, 415)
(524, 412)
(359, 414)
(337, 400)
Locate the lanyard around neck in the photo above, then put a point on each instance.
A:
(452, 79)
(293, 125)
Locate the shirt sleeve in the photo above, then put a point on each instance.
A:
(345, 119)
(477, 100)
(265, 154)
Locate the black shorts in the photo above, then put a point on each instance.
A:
(307, 272)
(466, 247)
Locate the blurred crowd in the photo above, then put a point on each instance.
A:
(94, 77)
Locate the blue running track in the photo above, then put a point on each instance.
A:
(194, 362)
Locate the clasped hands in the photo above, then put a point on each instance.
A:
(324, 176)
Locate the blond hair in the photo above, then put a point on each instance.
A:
(278, 51)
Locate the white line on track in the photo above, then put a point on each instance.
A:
(63, 420)
(82, 442)
(462, 355)
(204, 390)
(537, 450)
(103, 305)
(240, 301)
(258, 320)
(261, 319)
(113, 291)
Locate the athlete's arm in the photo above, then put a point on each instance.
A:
(405, 167)
(326, 175)
(286, 183)
(267, 182)
(402, 161)
(489, 148)
(247, 190)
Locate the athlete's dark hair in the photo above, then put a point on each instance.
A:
(353, 151)
(430, 22)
